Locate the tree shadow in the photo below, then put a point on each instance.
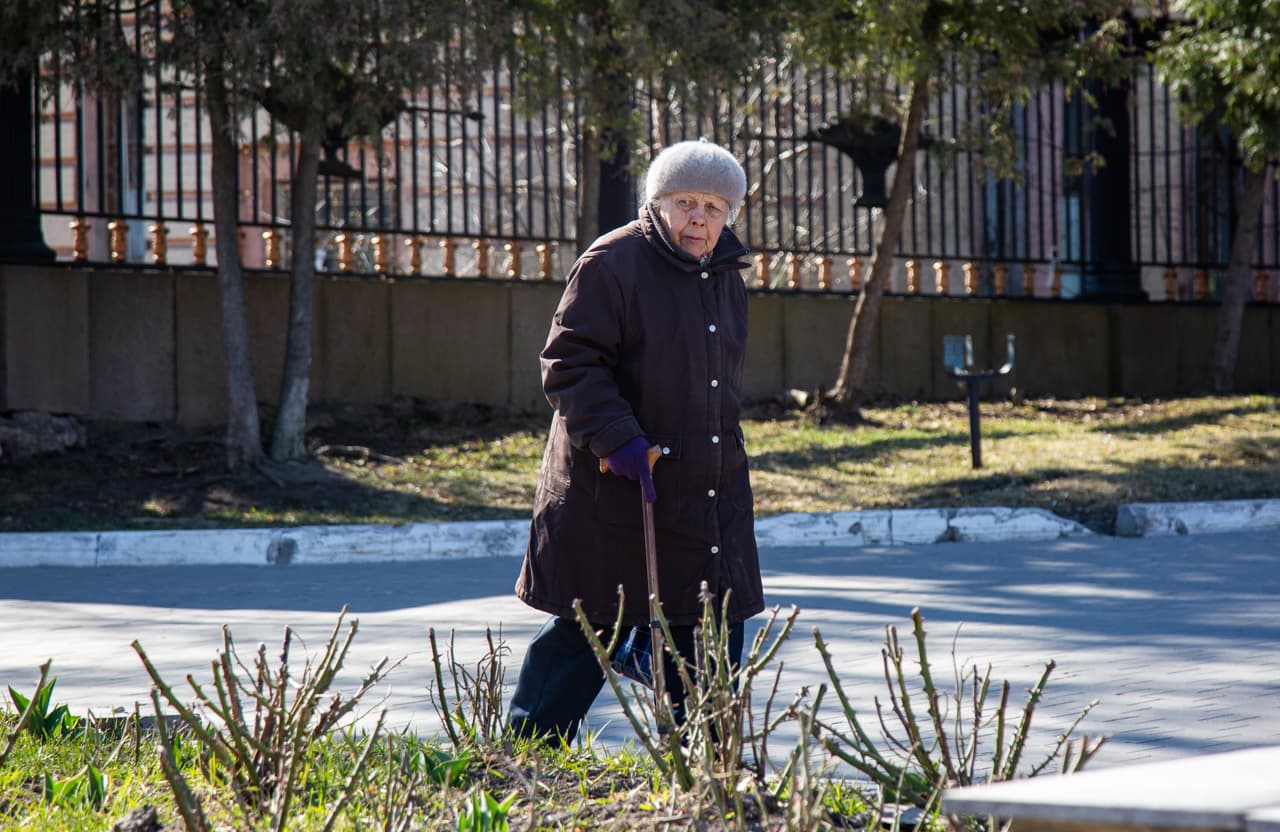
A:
(1212, 415)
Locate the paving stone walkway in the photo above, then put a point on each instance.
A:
(1178, 637)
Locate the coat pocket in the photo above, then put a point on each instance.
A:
(617, 499)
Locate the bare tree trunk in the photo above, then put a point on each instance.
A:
(288, 439)
(244, 442)
(588, 192)
(1235, 293)
(866, 312)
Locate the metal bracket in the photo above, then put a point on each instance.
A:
(957, 357)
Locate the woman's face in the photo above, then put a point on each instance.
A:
(694, 220)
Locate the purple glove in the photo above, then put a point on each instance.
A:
(631, 460)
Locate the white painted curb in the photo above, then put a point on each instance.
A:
(507, 538)
(1151, 519)
(264, 547)
(896, 527)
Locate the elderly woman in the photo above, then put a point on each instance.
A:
(646, 348)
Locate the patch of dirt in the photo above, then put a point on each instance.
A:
(147, 476)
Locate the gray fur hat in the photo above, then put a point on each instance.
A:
(701, 166)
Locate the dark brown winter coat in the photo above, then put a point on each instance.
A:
(645, 342)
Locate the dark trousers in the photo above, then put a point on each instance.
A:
(560, 678)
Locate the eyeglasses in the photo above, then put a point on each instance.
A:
(686, 204)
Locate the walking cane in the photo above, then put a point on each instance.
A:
(656, 645)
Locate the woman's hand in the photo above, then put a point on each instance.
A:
(631, 460)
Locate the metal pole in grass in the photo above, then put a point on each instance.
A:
(957, 357)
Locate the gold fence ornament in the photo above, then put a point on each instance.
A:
(117, 229)
(199, 244)
(159, 242)
(1000, 277)
(271, 259)
(913, 276)
(514, 268)
(544, 251)
(415, 244)
(941, 277)
(346, 250)
(80, 239)
(793, 271)
(381, 253)
(824, 273)
(762, 270)
(448, 256)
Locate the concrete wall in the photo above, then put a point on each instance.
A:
(147, 345)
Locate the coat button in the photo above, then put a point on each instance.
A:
(715, 440)
(711, 328)
(666, 451)
(715, 382)
(705, 275)
(711, 492)
(715, 550)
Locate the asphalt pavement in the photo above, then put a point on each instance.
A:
(1177, 636)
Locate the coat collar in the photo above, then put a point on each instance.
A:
(728, 253)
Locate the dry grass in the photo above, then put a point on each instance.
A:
(1079, 459)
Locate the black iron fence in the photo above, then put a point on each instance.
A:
(488, 189)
